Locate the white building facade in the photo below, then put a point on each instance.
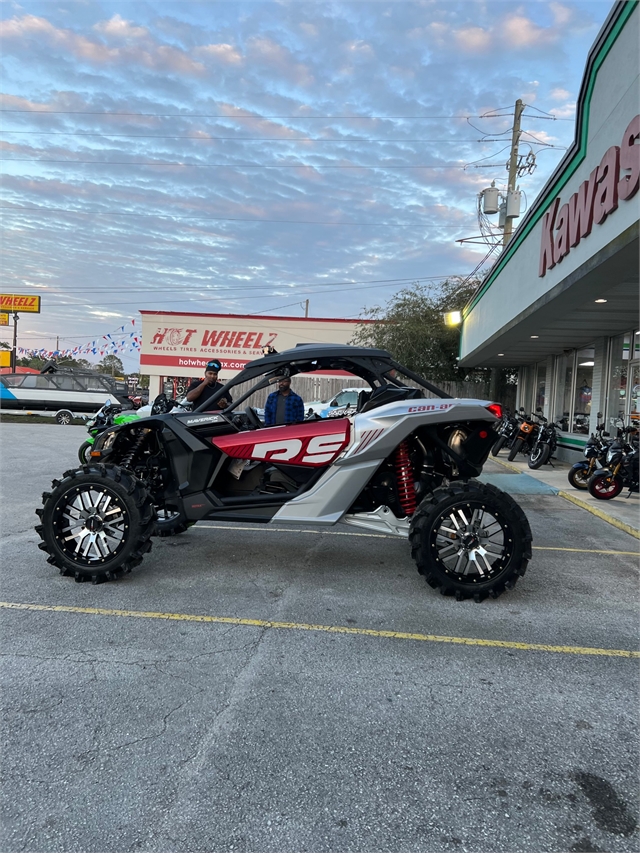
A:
(561, 303)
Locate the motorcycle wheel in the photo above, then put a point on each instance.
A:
(516, 447)
(604, 487)
(539, 456)
(96, 523)
(170, 523)
(497, 447)
(470, 539)
(84, 452)
(579, 477)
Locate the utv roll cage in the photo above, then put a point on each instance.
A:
(375, 366)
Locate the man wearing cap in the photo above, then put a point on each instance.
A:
(201, 389)
(284, 406)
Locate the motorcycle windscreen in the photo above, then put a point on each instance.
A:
(314, 444)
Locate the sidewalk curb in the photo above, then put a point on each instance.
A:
(507, 465)
(621, 525)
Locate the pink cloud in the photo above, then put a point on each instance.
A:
(522, 32)
(473, 39)
(224, 53)
(155, 56)
(118, 27)
(268, 52)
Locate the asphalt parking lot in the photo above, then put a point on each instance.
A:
(259, 689)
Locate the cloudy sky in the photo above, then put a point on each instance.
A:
(245, 157)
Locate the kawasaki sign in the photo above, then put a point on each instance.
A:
(617, 178)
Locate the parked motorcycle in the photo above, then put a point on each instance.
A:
(507, 431)
(525, 438)
(545, 444)
(622, 468)
(595, 451)
(168, 522)
(109, 415)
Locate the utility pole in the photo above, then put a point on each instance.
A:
(14, 351)
(513, 168)
(306, 308)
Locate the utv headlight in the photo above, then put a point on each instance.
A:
(105, 441)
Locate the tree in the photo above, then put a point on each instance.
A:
(412, 329)
(112, 365)
(38, 363)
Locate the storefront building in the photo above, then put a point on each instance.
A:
(176, 346)
(562, 302)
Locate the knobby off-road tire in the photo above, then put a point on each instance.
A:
(470, 539)
(170, 523)
(83, 452)
(516, 447)
(96, 523)
(497, 447)
(539, 456)
(579, 477)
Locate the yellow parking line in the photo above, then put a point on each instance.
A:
(584, 550)
(270, 529)
(329, 629)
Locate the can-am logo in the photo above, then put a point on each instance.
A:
(214, 339)
(594, 201)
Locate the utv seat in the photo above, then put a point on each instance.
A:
(387, 394)
(363, 397)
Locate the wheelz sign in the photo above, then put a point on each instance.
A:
(615, 179)
(19, 302)
(219, 340)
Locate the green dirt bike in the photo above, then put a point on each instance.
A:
(168, 522)
(109, 415)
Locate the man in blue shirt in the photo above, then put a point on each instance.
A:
(283, 406)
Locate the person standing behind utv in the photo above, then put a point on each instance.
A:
(201, 389)
(283, 406)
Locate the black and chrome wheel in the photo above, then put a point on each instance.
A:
(539, 456)
(470, 539)
(96, 523)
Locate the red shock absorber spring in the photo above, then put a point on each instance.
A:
(404, 479)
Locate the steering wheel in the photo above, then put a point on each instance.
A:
(252, 417)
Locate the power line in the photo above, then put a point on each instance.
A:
(210, 165)
(219, 218)
(207, 294)
(261, 118)
(223, 115)
(107, 135)
(182, 301)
